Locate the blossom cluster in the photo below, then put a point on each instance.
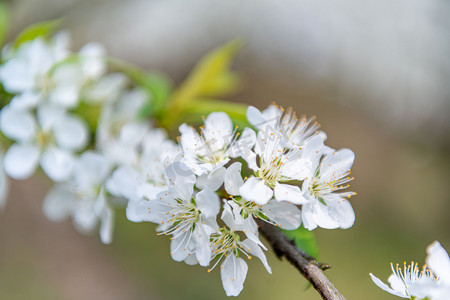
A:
(432, 282)
(206, 191)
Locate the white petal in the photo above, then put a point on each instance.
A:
(71, 133)
(242, 147)
(156, 210)
(255, 190)
(385, 287)
(57, 203)
(132, 209)
(180, 179)
(290, 193)
(123, 182)
(343, 213)
(179, 247)
(233, 179)
(92, 168)
(227, 217)
(284, 214)
(48, 114)
(255, 117)
(338, 163)
(25, 100)
(202, 245)
(21, 161)
(208, 203)
(57, 164)
(212, 181)
(322, 216)
(17, 124)
(233, 273)
(439, 261)
(218, 130)
(106, 216)
(254, 250)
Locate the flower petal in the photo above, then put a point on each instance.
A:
(218, 130)
(212, 181)
(290, 193)
(233, 179)
(253, 249)
(208, 203)
(439, 261)
(17, 124)
(386, 288)
(233, 273)
(338, 162)
(255, 190)
(21, 161)
(57, 164)
(71, 133)
(284, 214)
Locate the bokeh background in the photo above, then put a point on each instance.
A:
(376, 73)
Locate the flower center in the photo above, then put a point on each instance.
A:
(411, 273)
(270, 172)
(225, 241)
(184, 217)
(44, 138)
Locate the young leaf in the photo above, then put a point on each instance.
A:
(305, 240)
(210, 78)
(33, 31)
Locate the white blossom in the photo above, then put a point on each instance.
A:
(326, 206)
(282, 214)
(188, 217)
(84, 197)
(227, 246)
(277, 164)
(206, 152)
(50, 140)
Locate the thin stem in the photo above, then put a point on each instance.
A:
(305, 264)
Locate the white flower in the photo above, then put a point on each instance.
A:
(51, 140)
(189, 217)
(27, 68)
(213, 148)
(145, 177)
(277, 164)
(325, 206)
(227, 245)
(84, 197)
(283, 214)
(296, 131)
(402, 279)
(438, 287)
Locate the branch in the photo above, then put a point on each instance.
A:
(306, 264)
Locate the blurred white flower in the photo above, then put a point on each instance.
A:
(84, 197)
(50, 140)
(27, 68)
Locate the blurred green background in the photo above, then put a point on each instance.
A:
(376, 76)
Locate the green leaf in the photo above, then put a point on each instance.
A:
(4, 21)
(210, 78)
(305, 240)
(44, 28)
